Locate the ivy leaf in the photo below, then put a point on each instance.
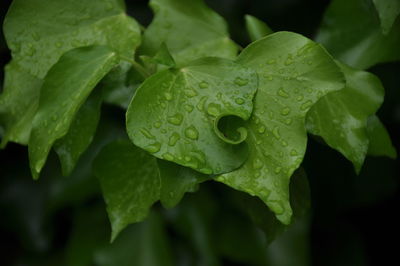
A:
(65, 89)
(380, 143)
(341, 120)
(81, 131)
(189, 29)
(388, 11)
(256, 28)
(18, 103)
(176, 114)
(130, 182)
(294, 73)
(176, 181)
(351, 32)
(38, 32)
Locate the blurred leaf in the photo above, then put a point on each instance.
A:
(65, 89)
(380, 143)
(341, 120)
(80, 134)
(351, 32)
(176, 114)
(256, 28)
(189, 29)
(388, 11)
(292, 77)
(130, 183)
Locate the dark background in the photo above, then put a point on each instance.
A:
(355, 219)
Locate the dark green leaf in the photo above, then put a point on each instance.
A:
(340, 117)
(380, 143)
(388, 11)
(176, 114)
(294, 73)
(256, 28)
(351, 32)
(130, 182)
(65, 89)
(189, 29)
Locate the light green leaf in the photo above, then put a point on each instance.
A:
(164, 57)
(176, 180)
(189, 29)
(388, 11)
(38, 32)
(380, 143)
(177, 114)
(18, 103)
(340, 117)
(256, 28)
(350, 31)
(81, 131)
(65, 89)
(130, 182)
(294, 73)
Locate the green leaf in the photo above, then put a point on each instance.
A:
(294, 73)
(380, 143)
(81, 131)
(189, 29)
(388, 11)
(177, 114)
(256, 28)
(130, 182)
(38, 32)
(164, 57)
(340, 117)
(176, 181)
(351, 32)
(18, 103)
(65, 89)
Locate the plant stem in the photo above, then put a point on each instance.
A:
(139, 68)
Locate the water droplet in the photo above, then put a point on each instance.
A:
(190, 93)
(219, 95)
(261, 129)
(306, 105)
(299, 98)
(188, 107)
(278, 169)
(168, 96)
(239, 101)
(284, 143)
(157, 124)
(269, 78)
(203, 85)
(173, 139)
(187, 159)
(200, 105)
(207, 171)
(271, 62)
(276, 133)
(257, 174)
(146, 133)
(293, 152)
(168, 156)
(283, 93)
(163, 105)
(257, 164)
(175, 119)
(288, 121)
(153, 148)
(285, 111)
(213, 109)
(192, 133)
(289, 60)
(241, 82)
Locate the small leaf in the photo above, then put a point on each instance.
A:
(350, 31)
(176, 180)
(294, 73)
(176, 114)
(340, 117)
(130, 182)
(189, 29)
(256, 28)
(65, 89)
(380, 143)
(388, 11)
(82, 129)
(18, 103)
(163, 57)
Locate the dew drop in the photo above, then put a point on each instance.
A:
(190, 93)
(257, 164)
(175, 119)
(293, 152)
(173, 139)
(261, 129)
(153, 148)
(288, 121)
(241, 82)
(191, 133)
(157, 124)
(306, 105)
(146, 133)
(239, 101)
(189, 108)
(168, 96)
(278, 169)
(200, 105)
(271, 62)
(285, 111)
(168, 156)
(276, 133)
(213, 109)
(187, 159)
(281, 92)
(284, 143)
(203, 85)
(299, 98)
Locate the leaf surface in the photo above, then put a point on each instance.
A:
(388, 11)
(175, 114)
(65, 89)
(340, 117)
(189, 29)
(294, 73)
(350, 31)
(380, 143)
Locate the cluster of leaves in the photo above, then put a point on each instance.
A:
(197, 109)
